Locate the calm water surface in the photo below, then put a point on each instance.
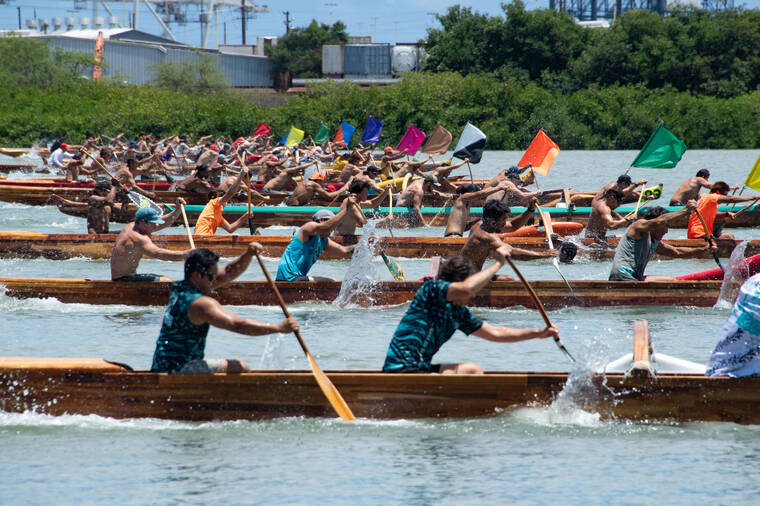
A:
(531, 456)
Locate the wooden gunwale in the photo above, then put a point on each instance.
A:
(554, 294)
(21, 244)
(61, 386)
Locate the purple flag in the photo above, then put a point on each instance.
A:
(412, 140)
(371, 134)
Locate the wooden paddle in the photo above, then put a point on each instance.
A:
(390, 211)
(332, 394)
(746, 208)
(444, 206)
(539, 306)
(251, 226)
(636, 210)
(472, 180)
(138, 199)
(709, 238)
(187, 226)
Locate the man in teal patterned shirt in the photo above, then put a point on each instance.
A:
(438, 310)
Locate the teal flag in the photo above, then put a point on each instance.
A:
(663, 150)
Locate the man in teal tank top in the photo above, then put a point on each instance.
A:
(308, 244)
(191, 311)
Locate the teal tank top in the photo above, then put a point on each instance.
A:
(180, 340)
(299, 256)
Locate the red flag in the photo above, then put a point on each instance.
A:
(261, 130)
(97, 70)
(412, 140)
(540, 154)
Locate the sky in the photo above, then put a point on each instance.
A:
(388, 21)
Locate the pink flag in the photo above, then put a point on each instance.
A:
(412, 140)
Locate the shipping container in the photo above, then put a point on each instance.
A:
(332, 61)
(365, 60)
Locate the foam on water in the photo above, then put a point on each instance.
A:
(361, 275)
(736, 273)
(25, 306)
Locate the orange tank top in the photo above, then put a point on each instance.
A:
(210, 218)
(708, 208)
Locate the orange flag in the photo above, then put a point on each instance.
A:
(540, 154)
(97, 70)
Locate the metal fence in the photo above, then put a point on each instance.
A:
(134, 62)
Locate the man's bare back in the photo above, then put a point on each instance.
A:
(127, 252)
(689, 190)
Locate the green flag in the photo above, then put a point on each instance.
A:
(663, 150)
(323, 133)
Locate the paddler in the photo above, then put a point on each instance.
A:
(708, 208)
(211, 217)
(625, 185)
(197, 183)
(463, 198)
(134, 241)
(411, 198)
(99, 208)
(284, 178)
(307, 245)
(601, 217)
(305, 191)
(191, 311)
(736, 354)
(640, 241)
(689, 189)
(438, 310)
(354, 217)
(482, 241)
(386, 162)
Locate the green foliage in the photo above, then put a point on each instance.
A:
(201, 76)
(712, 53)
(29, 62)
(300, 51)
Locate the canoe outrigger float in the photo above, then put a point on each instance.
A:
(93, 386)
(498, 294)
(22, 244)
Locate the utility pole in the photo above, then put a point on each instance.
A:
(374, 29)
(330, 5)
(287, 21)
(19, 17)
(242, 17)
(432, 15)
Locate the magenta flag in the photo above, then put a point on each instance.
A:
(412, 140)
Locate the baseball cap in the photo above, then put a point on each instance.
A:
(388, 149)
(323, 214)
(513, 170)
(214, 147)
(64, 146)
(148, 214)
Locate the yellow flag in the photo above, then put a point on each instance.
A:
(294, 137)
(753, 178)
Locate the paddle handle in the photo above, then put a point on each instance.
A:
(281, 301)
(709, 238)
(746, 208)
(187, 226)
(532, 293)
(102, 167)
(472, 180)
(636, 210)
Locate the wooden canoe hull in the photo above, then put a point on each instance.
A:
(553, 294)
(93, 386)
(22, 244)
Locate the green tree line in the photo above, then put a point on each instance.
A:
(507, 108)
(692, 50)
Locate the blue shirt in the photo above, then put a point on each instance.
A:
(429, 322)
(180, 340)
(299, 256)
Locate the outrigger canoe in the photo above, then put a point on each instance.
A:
(93, 386)
(297, 216)
(498, 294)
(23, 244)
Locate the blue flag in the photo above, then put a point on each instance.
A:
(371, 134)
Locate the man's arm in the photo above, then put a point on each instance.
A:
(313, 228)
(170, 218)
(730, 199)
(233, 189)
(377, 200)
(512, 335)
(231, 227)
(642, 226)
(522, 219)
(235, 268)
(208, 310)
(484, 192)
(684, 251)
(461, 292)
(153, 251)
(334, 247)
(610, 221)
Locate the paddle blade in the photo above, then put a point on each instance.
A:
(396, 271)
(332, 394)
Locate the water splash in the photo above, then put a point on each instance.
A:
(273, 357)
(736, 273)
(361, 276)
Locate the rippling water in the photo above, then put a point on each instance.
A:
(555, 455)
